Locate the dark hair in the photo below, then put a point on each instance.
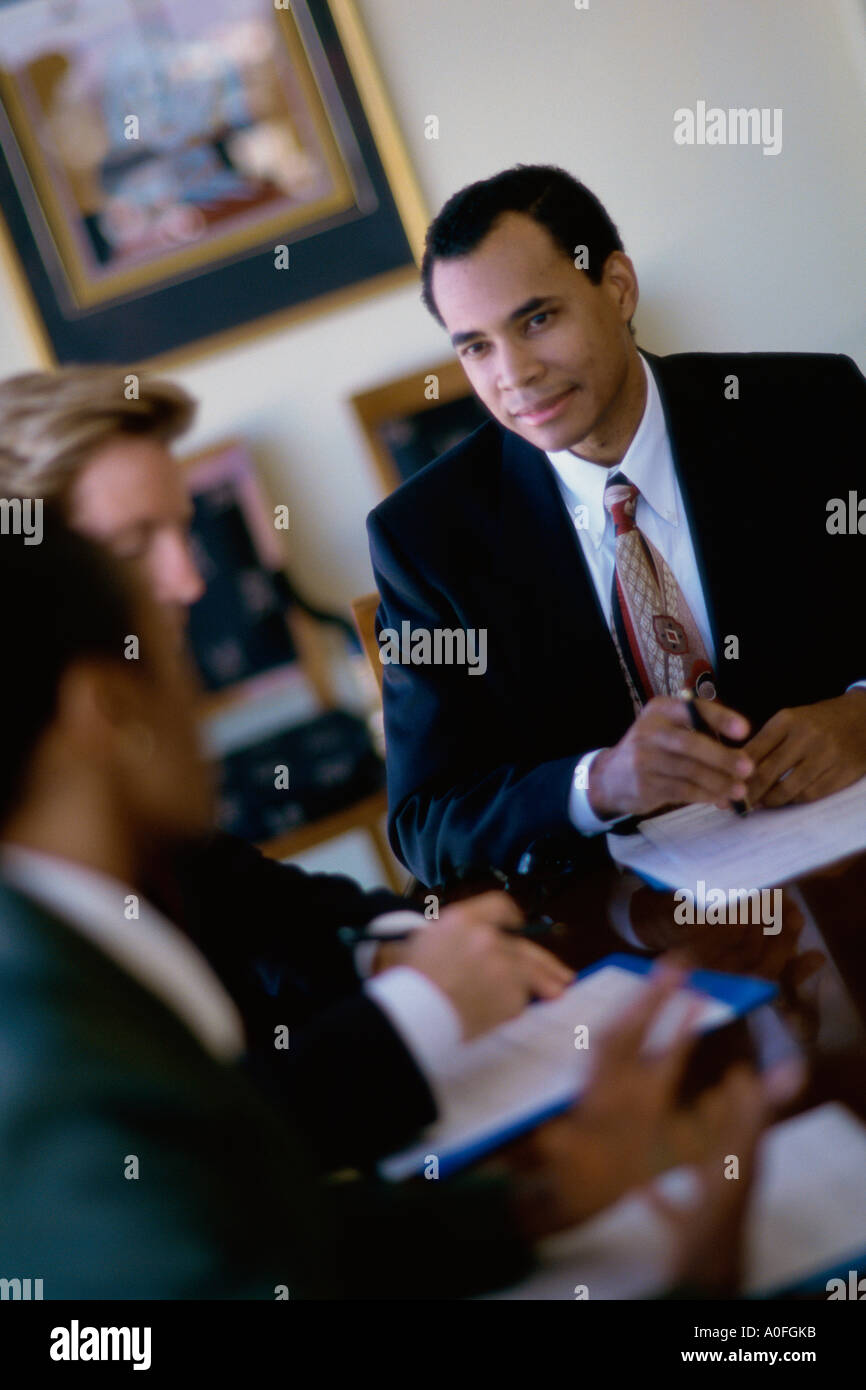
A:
(63, 598)
(572, 215)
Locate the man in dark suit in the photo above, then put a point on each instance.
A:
(364, 1039)
(626, 527)
(136, 1158)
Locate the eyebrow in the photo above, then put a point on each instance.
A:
(151, 523)
(530, 306)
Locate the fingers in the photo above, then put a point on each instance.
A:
(783, 1083)
(626, 1039)
(769, 737)
(726, 1123)
(827, 783)
(823, 783)
(689, 746)
(788, 760)
(773, 765)
(792, 784)
(722, 720)
(744, 1101)
(692, 765)
(684, 785)
(544, 975)
(495, 908)
(663, 752)
(729, 1119)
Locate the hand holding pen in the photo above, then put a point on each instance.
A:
(477, 956)
(700, 725)
(678, 751)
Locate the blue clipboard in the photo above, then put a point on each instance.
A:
(742, 993)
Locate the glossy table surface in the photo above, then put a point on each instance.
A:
(817, 959)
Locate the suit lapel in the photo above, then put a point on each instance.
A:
(136, 1011)
(540, 546)
(703, 455)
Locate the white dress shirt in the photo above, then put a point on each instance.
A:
(149, 948)
(425, 1018)
(660, 514)
(648, 464)
(159, 956)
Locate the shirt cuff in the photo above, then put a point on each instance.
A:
(580, 813)
(623, 890)
(425, 1019)
(385, 925)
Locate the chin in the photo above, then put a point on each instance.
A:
(558, 435)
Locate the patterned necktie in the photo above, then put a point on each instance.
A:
(657, 640)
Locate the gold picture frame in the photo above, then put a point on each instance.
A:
(210, 297)
(419, 404)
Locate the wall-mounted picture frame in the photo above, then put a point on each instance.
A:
(411, 420)
(254, 631)
(238, 630)
(174, 176)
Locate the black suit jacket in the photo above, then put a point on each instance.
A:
(270, 931)
(228, 1202)
(478, 766)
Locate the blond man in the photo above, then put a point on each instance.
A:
(97, 440)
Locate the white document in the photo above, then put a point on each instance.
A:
(759, 850)
(528, 1067)
(807, 1220)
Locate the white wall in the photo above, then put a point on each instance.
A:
(735, 250)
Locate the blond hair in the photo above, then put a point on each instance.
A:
(52, 423)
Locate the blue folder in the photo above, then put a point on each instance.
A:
(742, 994)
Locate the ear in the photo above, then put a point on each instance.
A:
(97, 702)
(619, 279)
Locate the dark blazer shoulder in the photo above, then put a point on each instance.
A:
(700, 372)
(474, 465)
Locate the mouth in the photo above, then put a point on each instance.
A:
(542, 411)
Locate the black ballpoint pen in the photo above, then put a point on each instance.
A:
(353, 936)
(700, 725)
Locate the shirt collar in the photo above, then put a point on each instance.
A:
(148, 947)
(647, 462)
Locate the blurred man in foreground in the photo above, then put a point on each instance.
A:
(363, 1040)
(136, 1159)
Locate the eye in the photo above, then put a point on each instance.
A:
(131, 545)
(539, 319)
(473, 350)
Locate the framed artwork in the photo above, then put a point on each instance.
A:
(172, 173)
(410, 421)
(238, 629)
(253, 632)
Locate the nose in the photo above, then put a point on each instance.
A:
(178, 580)
(516, 366)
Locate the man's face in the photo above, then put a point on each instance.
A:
(547, 351)
(131, 498)
(169, 791)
